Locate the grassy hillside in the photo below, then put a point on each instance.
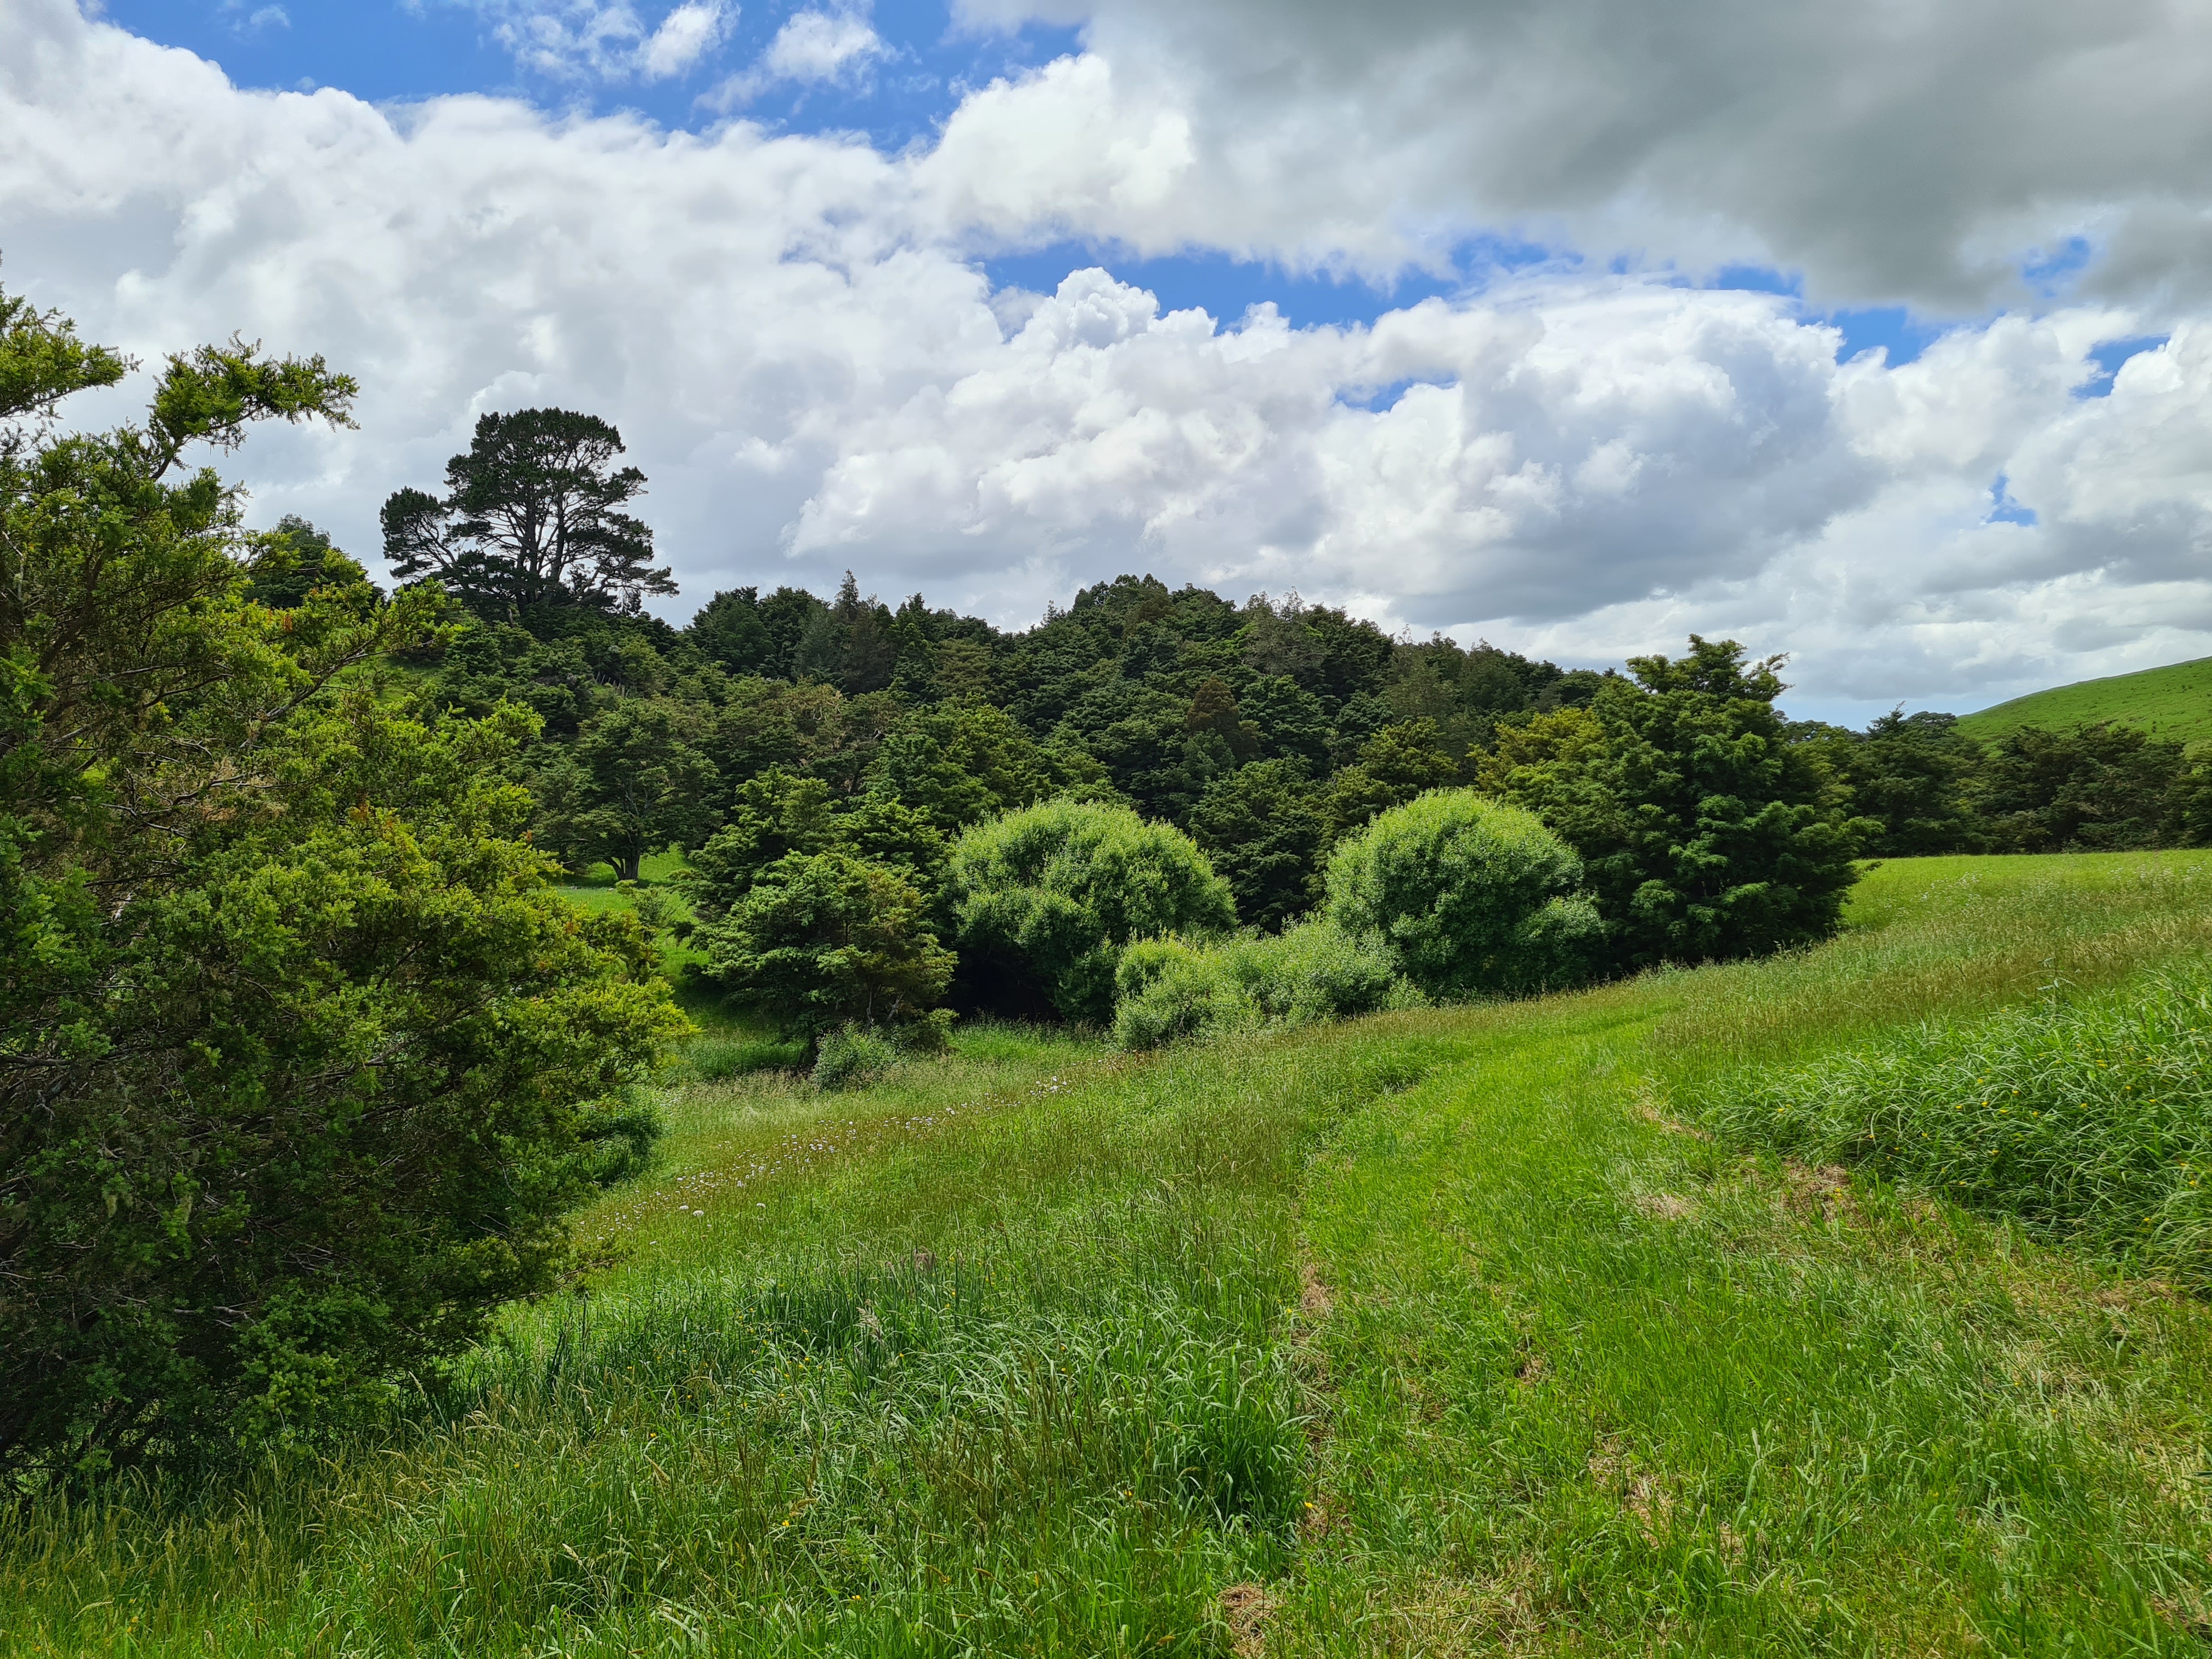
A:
(2174, 702)
(1448, 1331)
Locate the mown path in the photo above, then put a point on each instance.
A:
(1594, 1382)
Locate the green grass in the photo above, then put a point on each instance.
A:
(2090, 1120)
(2174, 702)
(1439, 1331)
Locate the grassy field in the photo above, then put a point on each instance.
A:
(1462, 1331)
(2174, 702)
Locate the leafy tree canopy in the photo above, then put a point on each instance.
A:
(532, 516)
(302, 1060)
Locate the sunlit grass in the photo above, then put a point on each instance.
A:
(1439, 1331)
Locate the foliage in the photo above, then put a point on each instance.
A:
(852, 1056)
(1914, 776)
(1041, 1373)
(1049, 896)
(823, 939)
(531, 517)
(1266, 834)
(782, 812)
(961, 764)
(2097, 788)
(2090, 1120)
(633, 782)
(1170, 988)
(1705, 832)
(1470, 897)
(301, 1061)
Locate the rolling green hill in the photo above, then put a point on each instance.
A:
(2173, 702)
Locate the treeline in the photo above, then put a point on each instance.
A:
(1267, 730)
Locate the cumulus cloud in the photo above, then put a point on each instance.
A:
(685, 36)
(604, 39)
(791, 333)
(1920, 151)
(812, 48)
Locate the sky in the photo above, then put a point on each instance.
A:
(1881, 336)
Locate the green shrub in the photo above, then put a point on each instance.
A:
(828, 939)
(1470, 896)
(2090, 1122)
(852, 1056)
(1047, 899)
(305, 1061)
(1169, 990)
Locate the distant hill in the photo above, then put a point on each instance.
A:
(2174, 702)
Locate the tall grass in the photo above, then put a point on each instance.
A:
(2090, 1120)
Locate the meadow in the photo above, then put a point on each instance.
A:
(1510, 1328)
(2174, 702)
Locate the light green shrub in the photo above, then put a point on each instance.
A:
(1170, 988)
(852, 1057)
(1471, 896)
(1044, 901)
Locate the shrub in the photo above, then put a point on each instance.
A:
(715, 1058)
(825, 940)
(2090, 1122)
(1705, 831)
(852, 1056)
(1470, 896)
(305, 1060)
(1048, 898)
(1169, 990)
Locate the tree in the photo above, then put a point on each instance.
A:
(1914, 775)
(1047, 898)
(961, 765)
(301, 1058)
(1702, 828)
(2099, 787)
(729, 630)
(1396, 765)
(531, 517)
(1263, 829)
(1470, 896)
(826, 940)
(633, 782)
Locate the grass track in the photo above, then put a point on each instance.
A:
(1434, 1333)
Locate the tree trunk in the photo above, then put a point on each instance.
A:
(631, 862)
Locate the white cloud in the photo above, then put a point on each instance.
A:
(812, 48)
(685, 35)
(1912, 150)
(578, 41)
(789, 334)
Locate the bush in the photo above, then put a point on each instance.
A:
(826, 941)
(2090, 1122)
(852, 1056)
(1470, 896)
(1047, 899)
(1169, 990)
(305, 1059)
